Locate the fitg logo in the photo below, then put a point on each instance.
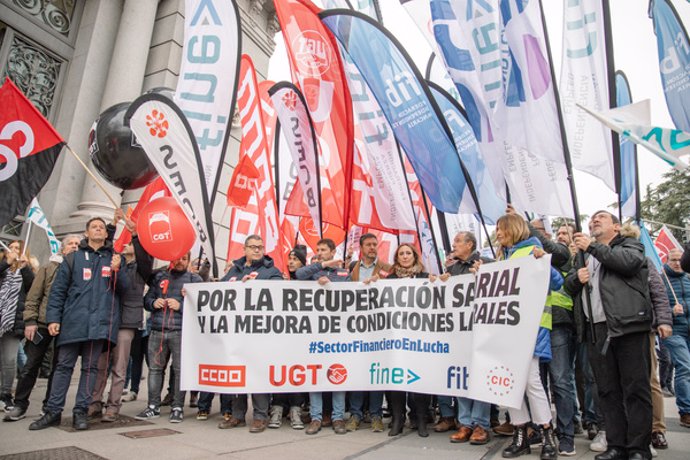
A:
(157, 124)
(336, 374)
(222, 376)
(500, 381)
(312, 53)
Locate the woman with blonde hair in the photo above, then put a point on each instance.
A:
(408, 264)
(16, 276)
(514, 241)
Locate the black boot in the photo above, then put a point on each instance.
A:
(520, 444)
(397, 407)
(80, 421)
(48, 419)
(422, 402)
(549, 450)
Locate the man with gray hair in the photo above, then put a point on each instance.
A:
(38, 339)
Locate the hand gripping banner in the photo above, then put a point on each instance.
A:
(464, 337)
(168, 140)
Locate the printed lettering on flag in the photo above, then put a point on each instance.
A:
(664, 242)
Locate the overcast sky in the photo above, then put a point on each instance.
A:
(634, 53)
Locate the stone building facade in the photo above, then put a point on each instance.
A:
(76, 58)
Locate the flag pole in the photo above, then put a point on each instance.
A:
(5, 246)
(93, 176)
(28, 235)
(569, 168)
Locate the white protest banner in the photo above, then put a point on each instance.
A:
(408, 335)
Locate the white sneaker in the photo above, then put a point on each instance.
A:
(599, 443)
(296, 418)
(129, 397)
(276, 417)
(653, 451)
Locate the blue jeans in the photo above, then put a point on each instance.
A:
(473, 413)
(67, 358)
(357, 403)
(562, 370)
(445, 406)
(680, 353)
(316, 405)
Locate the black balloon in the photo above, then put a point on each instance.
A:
(116, 153)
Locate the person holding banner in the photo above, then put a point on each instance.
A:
(16, 277)
(678, 288)
(408, 264)
(84, 313)
(514, 241)
(255, 265)
(164, 300)
(619, 318)
(38, 340)
(474, 416)
(327, 269)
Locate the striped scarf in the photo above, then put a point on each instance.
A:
(9, 296)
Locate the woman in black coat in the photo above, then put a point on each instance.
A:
(408, 264)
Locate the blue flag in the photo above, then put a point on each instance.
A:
(674, 61)
(649, 248)
(628, 154)
(406, 103)
(492, 206)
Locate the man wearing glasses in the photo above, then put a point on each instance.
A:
(255, 265)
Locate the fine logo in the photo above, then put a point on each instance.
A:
(157, 124)
(500, 381)
(336, 374)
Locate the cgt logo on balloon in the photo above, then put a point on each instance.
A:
(159, 227)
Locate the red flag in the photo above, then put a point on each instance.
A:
(318, 72)
(243, 183)
(155, 189)
(311, 236)
(29, 147)
(665, 241)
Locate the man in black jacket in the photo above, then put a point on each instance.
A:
(164, 300)
(139, 265)
(255, 265)
(621, 316)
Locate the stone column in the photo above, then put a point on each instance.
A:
(125, 79)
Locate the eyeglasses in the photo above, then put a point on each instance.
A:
(255, 248)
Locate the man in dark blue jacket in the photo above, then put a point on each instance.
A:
(84, 313)
(164, 300)
(255, 265)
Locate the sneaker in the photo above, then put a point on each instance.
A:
(47, 420)
(377, 424)
(352, 424)
(80, 421)
(566, 447)
(685, 420)
(230, 422)
(167, 400)
(314, 427)
(339, 427)
(296, 418)
(202, 415)
(149, 413)
(131, 396)
(659, 440)
(17, 413)
(6, 402)
(176, 415)
(276, 419)
(599, 443)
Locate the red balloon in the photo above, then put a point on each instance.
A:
(164, 230)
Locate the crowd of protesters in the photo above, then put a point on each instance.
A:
(594, 370)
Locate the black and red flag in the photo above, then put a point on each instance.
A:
(29, 146)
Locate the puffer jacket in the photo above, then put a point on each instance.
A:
(138, 272)
(316, 271)
(85, 296)
(624, 287)
(168, 284)
(542, 349)
(27, 280)
(680, 285)
(263, 269)
(37, 298)
(657, 292)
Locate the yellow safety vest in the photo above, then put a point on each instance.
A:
(546, 316)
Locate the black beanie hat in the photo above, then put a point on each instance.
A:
(300, 251)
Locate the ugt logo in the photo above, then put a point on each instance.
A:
(157, 124)
(312, 53)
